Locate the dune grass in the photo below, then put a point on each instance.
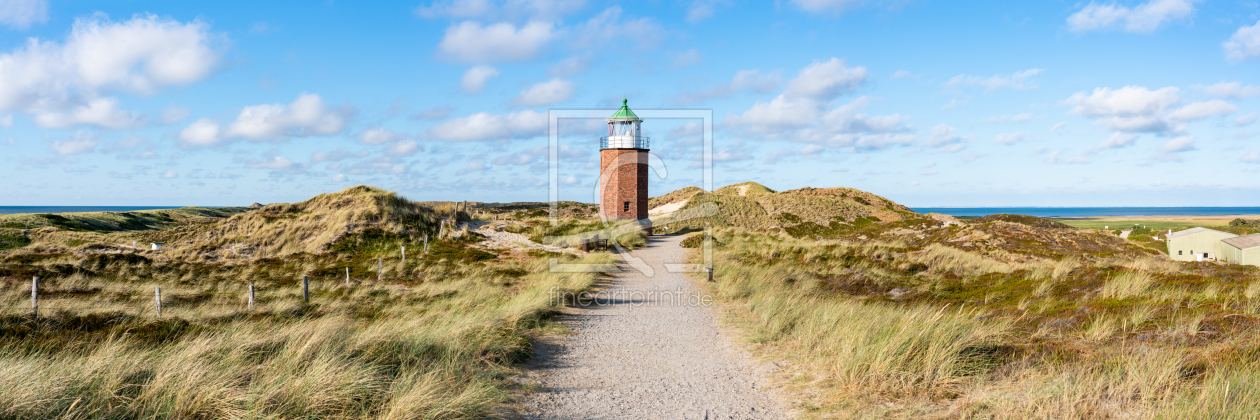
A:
(901, 328)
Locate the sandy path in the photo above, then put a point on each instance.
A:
(644, 352)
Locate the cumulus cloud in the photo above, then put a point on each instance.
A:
(1141, 110)
(1245, 120)
(377, 136)
(545, 93)
(826, 6)
(403, 148)
(476, 77)
(946, 139)
(1020, 80)
(170, 175)
(491, 9)
(1252, 157)
(1143, 18)
(1115, 141)
(81, 142)
(65, 84)
(306, 116)
(1244, 44)
(744, 81)
(1230, 90)
(20, 14)
(1009, 138)
(486, 126)
(1178, 145)
(803, 112)
(474, 42)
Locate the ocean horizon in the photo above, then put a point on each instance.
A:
(1071, 212)
(77, 209)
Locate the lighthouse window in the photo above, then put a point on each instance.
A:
(625, 206)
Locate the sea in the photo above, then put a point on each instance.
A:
(76, 209)
(1075, 212)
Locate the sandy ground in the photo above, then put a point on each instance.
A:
(643, 350)
(496, 238)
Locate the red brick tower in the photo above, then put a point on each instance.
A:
(623, 169)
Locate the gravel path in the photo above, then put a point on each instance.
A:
(643, 351)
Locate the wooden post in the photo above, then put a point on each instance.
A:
(347, 276)
(35, 295)
(306, 289)
(157, 300)
(442, 230)
(426, 243)
(404, 254)
(380, 268)
(586, 244)
(251, 296)
(710, 271)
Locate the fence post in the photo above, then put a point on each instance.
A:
(251, 296)
(347, 276)
(35, 295)
(380, 268)
(426, 243)
(404, 254)
(157, 300)
(306, 289)
(710, 271)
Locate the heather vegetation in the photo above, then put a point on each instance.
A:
(924, 316)
(432, 337)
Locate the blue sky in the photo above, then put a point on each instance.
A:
(929, 103)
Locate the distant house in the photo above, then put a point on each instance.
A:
(1197, 244)
(158, 245)
(1241, 249)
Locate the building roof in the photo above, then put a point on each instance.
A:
(1194, 231)
(1244, 242)
(624, 114)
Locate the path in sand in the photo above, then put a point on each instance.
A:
(646, 351)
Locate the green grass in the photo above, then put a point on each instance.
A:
(1129, 224)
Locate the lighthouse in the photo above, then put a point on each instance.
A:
(623, 169)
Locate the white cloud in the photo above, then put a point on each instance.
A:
(278, 163)
(1244, 44)
(476, 43)
(509, 9)
(946, 139)
(173, 114)
(403, 148)
(6, 121)
(435, 113)
(744, 81)
(1230, 90)
(486, 126)
(569, 66)
(1245, 120)
(475, 78)
(306, 116)
(1143, 18)
(1178, 145)
(1128, 109)
(1201, 110)
(1058, 127)
(1020, 80)
(170, 175)
(899, 74)
(203, 132)
(102, 112)
(1115, 141)
(336, 155)
(1253, 157)
(1054, 159)
(608, 27)
(826, 6)
(1009, 138)
(806, 96)
(474, 166)
(376, 136)
(703, 9)
(339, 178)
(63, 84)
(545, 93)
(81, 142)
(20, 14)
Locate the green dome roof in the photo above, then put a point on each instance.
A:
(624, 114)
